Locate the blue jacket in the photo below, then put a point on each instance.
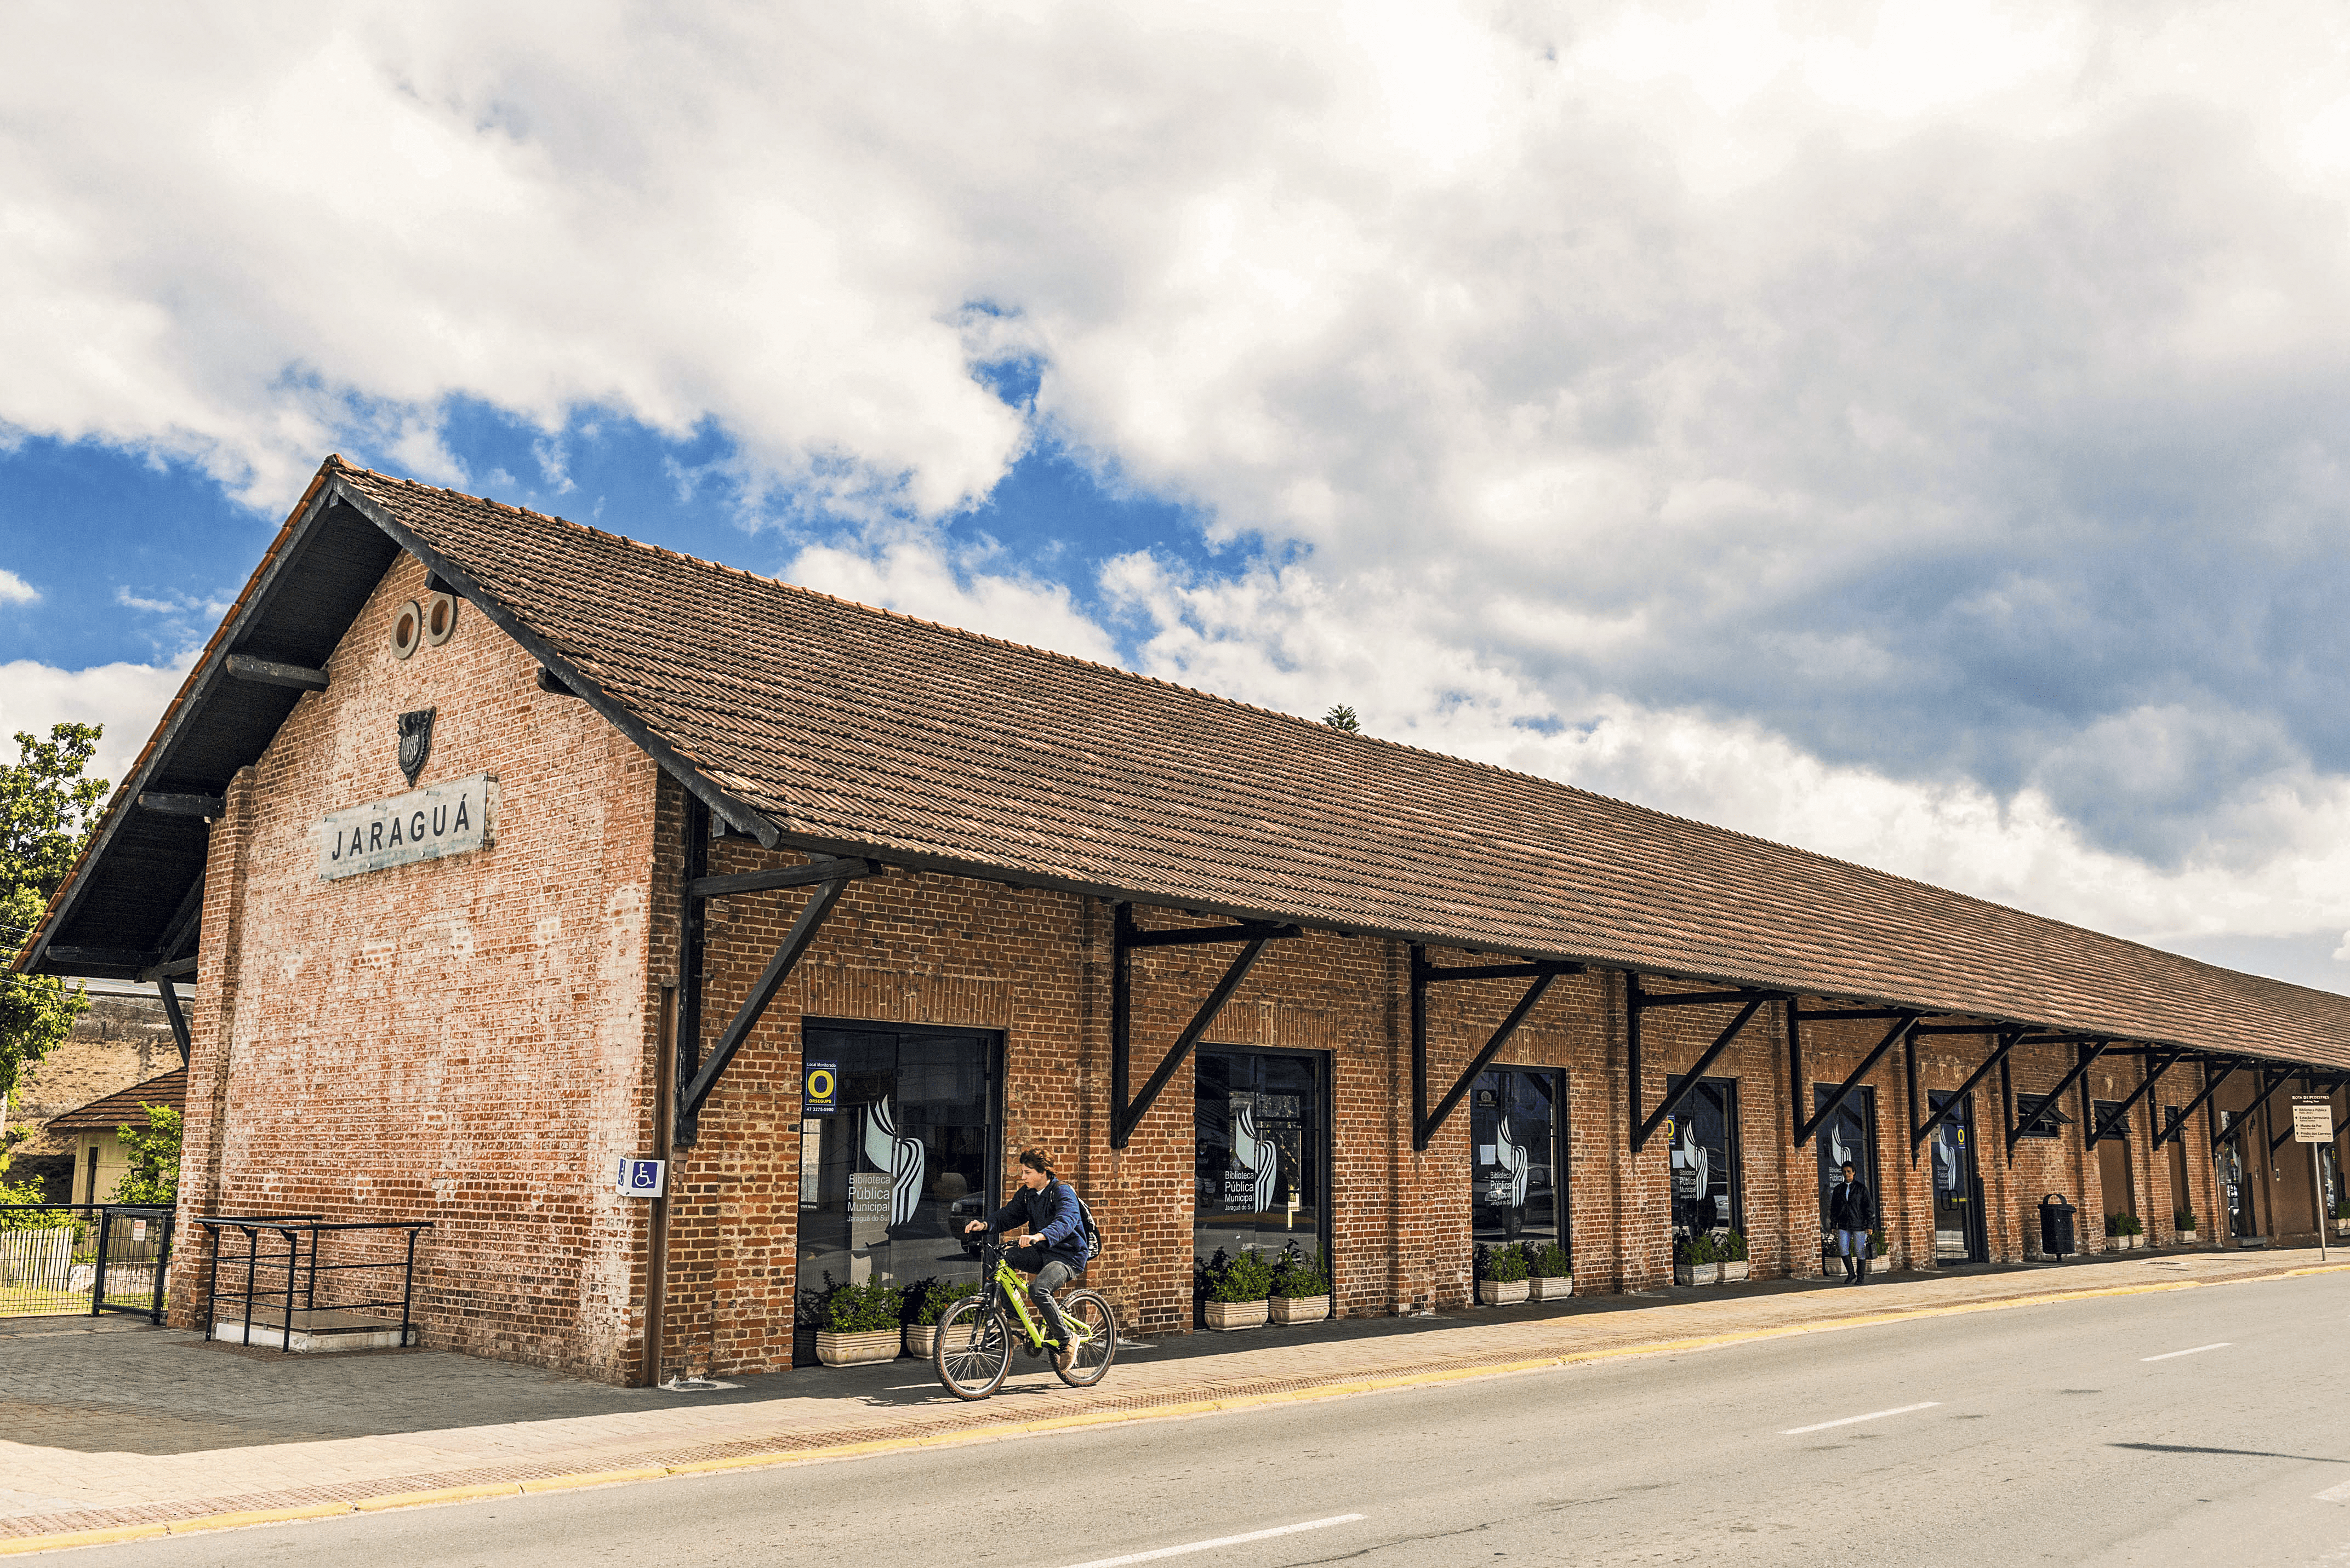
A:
(1050, 1216)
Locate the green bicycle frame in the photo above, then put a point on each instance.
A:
(1015, 1297)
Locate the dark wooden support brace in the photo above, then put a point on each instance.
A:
(269, 673)
(2098, 1135)
(171, 994)
(2007, 1042)
(203, 805)
(1909, 1049)
(172, 968)
(782, 876)
(552, 684)
(1425, 1122)
(796, 944)
(1637, 1002)
(2268, 1087)
(2177, 1129)
(1805, 1129)
(2081, 1067)
(1126, 1113)
(694, 919)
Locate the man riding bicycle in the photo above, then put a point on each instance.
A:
(1055, 1252)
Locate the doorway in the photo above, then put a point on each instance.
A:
(1702, 1135)
(1262, 1153)
(1959, 1235)
(2115, 1178)
(1517, 1137)
(1849, 1135)
(2235, 1190)
(898, 1138)
(2182, 1200)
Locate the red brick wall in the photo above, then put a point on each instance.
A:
(464, 1041)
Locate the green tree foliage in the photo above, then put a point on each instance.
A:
(154, 1174)
(46, 810)
(1342, 717)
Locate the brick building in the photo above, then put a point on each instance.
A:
(122, 1040)
(498, 849)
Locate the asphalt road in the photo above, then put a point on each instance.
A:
(2047, 1434)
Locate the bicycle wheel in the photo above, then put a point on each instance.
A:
(973, 1350)
(1094, 1327)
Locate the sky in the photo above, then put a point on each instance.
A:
(1912, 431)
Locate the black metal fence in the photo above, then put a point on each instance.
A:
(70, 1260)
(291, 1280)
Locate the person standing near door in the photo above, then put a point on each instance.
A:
(1852, 1217)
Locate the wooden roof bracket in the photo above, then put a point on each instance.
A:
(1541, 973)
(2267, 1086)
(697, 1075)
(2104, 1127)
(1803, 1129)
(1918, 1129)
(2178, 1127)
(2084, 1059)
(1126, 1113)
(1635, 1002)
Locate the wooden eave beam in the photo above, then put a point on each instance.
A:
(270, 672)
(782, 876)
(207, 806)
(1425, 1122)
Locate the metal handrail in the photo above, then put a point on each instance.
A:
(301, 1280)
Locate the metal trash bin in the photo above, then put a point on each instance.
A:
(2056, 1227)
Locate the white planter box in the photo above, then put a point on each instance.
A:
(921, 1339)
(1300, 1309)
(1501, 1293)
(2189, 1237)
(857, 1349)
(1550, 1287)
(1697, 1273)
(1733, 1270)
(1226, 1315)
(2342, 1226)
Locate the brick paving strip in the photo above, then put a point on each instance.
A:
(129, 1496)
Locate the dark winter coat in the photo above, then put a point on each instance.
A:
(1849, 1207)
(1051, 1215)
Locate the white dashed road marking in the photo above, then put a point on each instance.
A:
(1848, 1421)
(1219, 1540)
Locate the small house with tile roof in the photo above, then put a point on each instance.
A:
(502, 853)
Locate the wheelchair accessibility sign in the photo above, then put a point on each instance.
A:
(641, 1178)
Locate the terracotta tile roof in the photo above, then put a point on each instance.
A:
(123, 1107)
(854, 727)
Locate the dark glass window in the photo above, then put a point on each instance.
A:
(1518, 1190)
(1259, 1152)
(2101, 1113)
(888, 1177)
(2037, 1115)
(1703, 1135)
(1849, 1135)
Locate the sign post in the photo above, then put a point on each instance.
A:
(2313, 1124)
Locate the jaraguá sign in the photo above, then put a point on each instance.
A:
(426, 823)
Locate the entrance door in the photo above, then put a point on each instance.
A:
(2114, 1173)
(2235, 1191)
(1703, 1135)
(901, 1155)
(1261, 1139)
(1958, 1235)
(1518, 1185)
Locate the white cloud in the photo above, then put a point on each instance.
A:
(15, 590)
(1911, 429)
(128, 699)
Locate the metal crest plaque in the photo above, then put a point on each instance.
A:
(440, 819)
(415, 741)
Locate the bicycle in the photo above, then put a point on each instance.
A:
(977, 1334)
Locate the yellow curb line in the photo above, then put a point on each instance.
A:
(1102, 1418)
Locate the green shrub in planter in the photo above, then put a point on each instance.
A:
(1732, 1247)
(2341, 1209)
(1504, 1264)
(1550, 1262)
(1245, 1278)
(1697, 1248)
(1299, 1277)
(2131, 1225)
(1877, 1244)
(930, 1303)
(2183, 1218)
(867, 1308)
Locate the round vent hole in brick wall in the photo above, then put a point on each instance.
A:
(407, 629)
(440, 617)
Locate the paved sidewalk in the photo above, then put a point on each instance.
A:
(117, 1424)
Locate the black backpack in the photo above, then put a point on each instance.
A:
(1092, 1231)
